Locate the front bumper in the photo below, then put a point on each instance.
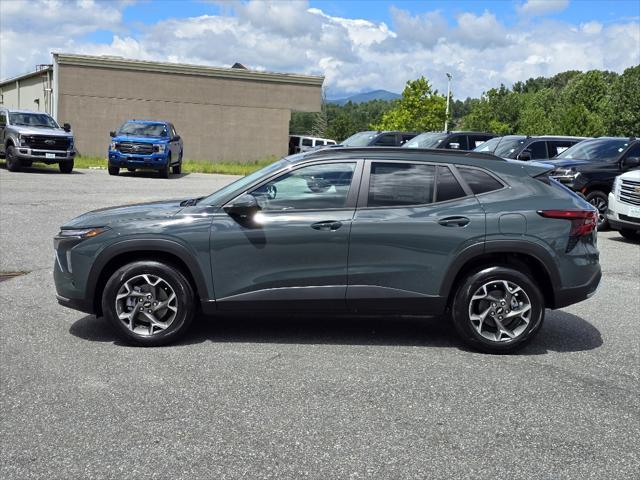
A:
(46, 156)
(620, 215)
(154, 160)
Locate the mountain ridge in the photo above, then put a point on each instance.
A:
(366, 97)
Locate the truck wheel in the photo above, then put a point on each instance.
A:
(149, 303)
(164, 171)
(177, 169)
(131, 169)
(114, 170)
(13, 163)
(600, 200)
(66, 167)
(497, 309)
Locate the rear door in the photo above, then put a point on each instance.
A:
(412, 220)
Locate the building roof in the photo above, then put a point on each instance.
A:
(185, 69)
(26, 75)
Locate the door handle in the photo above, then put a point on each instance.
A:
(331, 225)
(454, 221)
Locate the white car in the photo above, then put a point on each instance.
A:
(624, 205)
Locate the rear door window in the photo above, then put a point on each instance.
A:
(398, 184)
(404, 138)
(447, 187)
(558, 146)
(476, 140)
(479, 181)
(307, 142)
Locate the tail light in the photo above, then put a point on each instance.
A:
(583, 222)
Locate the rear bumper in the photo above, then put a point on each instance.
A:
(76, 304)
(568, 296)
(54, 156)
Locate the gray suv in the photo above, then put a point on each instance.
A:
(488, 242)
(27, 137)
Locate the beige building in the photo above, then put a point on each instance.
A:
(222, 114)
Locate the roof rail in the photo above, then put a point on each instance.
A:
(401, 151)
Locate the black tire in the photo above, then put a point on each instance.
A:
(66, 167)
(131, 169)
(630, 234)
(461, 304)
(26, 163)
(177, 169)
(174, 279)
(600, 200)
(164, 171)
(13, 163)
(114, 170)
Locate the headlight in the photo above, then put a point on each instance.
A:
(616, 186)
(565, 173)
(81, 234)
(113, 146)
(159, 147)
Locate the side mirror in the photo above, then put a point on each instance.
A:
(176, 138)
(243, 207)
(66, 127)
(524, 155)
(112, 134)
(631, 162)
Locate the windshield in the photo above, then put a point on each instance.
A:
(508, 146)
(143, 129)
(360, 139)
(32, 120)
(426, 140)
(597, 149)
(488, 146)
(219, 196)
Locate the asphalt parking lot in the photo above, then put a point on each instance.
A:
(325, 398)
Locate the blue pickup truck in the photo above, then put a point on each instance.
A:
(148, 145)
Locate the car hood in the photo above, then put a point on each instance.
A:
(127, 213)
(567, 162)
(54, 132)
(133, 138)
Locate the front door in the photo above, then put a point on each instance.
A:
(412, 221)
(293, 251)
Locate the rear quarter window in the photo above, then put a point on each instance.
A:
(479, 181)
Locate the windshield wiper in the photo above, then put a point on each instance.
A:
(191, 202)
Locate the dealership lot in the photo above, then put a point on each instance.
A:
(256, 397)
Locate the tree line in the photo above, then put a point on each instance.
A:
(590, 104)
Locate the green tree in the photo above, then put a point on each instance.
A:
(623, 110)
(419, 109)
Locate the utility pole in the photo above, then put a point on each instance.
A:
(446, 115)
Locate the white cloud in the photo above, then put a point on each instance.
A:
(353, 54)
(542, 7)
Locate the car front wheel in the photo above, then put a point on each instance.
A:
(497, 309)
(13, 163)
(149, 303)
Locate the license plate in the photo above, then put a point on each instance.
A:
(49, 155)
(634, 212)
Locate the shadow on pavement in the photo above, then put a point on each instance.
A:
(562, 332)
(621, 239)
(37, 168)
(150, 174)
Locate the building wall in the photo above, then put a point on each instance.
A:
(24, 92)
(219, 119)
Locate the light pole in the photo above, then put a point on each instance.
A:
(446, 115)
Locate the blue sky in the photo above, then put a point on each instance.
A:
(356, 45)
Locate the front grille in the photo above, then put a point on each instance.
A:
(136, 148)
(46, 142)
(630, 192)
(629, 219)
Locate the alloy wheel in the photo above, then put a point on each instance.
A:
(500, 311)
(601, 206)
(146, 304)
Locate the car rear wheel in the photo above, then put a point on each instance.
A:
(66, 167)
(13, 163)
(114, 170)
(600, 200)
(149, 303)
(497, 309)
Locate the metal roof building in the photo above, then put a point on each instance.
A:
(222, 114)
